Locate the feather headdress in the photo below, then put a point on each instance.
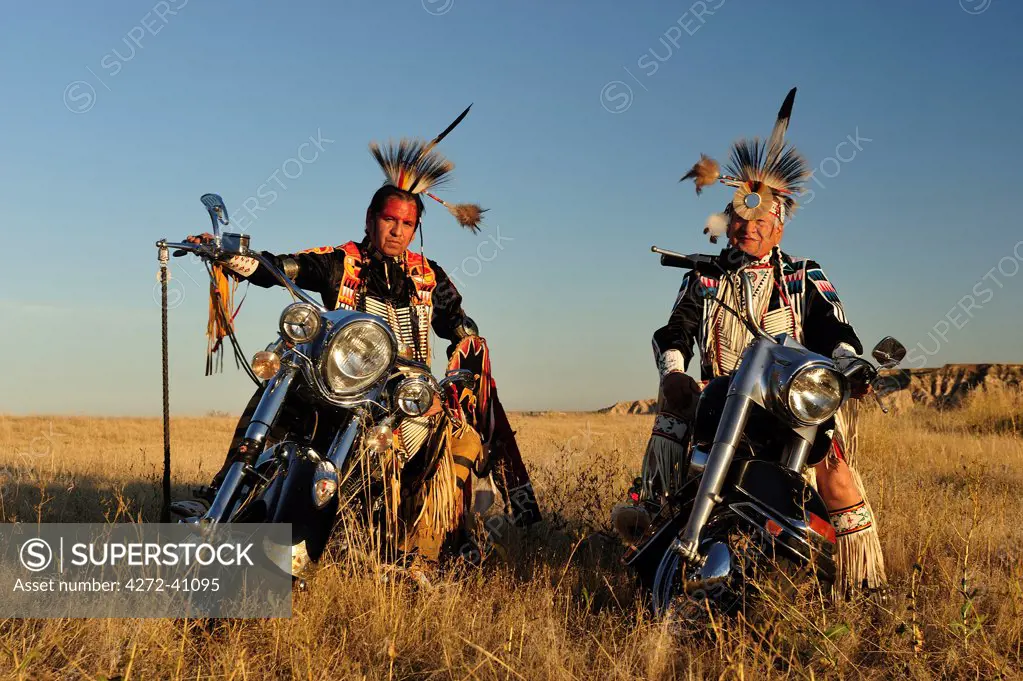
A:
(416, 166)
(767, 176)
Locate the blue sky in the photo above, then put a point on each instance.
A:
(118, 115)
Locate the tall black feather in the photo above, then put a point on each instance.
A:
(777, 140)
(451, 127)
(444, 133)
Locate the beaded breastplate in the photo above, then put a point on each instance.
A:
(410, 323)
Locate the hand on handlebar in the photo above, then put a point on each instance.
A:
(860, 389)
(203, 238)
(680, 391)
(199, 240)
(860, 374)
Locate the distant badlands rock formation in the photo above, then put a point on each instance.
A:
(947, 386)
(942, 387)
(633, 407)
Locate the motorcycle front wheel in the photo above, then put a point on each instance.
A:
(741, 565)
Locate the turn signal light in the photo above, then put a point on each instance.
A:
(379, 439)
(822, 527)
(265, 364)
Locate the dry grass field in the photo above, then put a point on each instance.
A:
(555, 604)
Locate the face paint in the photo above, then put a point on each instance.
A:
(394, 226)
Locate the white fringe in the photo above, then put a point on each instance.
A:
(860, 562)
(847, 423)
(810, 475)
(662, 467)
(860, 556)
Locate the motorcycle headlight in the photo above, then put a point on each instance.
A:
(300, 322)
(413, 396)
(814, 394)
(357, 356)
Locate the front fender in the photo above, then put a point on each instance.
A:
(778, 488)
(763, 492)
(758, 490)
(294, 505)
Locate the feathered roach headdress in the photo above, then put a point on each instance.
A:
(766, 177)
(416, 167)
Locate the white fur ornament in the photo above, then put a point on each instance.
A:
(717, 226)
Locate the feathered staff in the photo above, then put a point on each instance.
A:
(416, 167)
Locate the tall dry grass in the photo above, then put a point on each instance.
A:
(555, 604)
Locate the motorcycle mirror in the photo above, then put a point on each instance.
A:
(888, 352)
(217, 210)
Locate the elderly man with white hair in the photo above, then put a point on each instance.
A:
(791, 295)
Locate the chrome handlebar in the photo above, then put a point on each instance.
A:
(695, 261)
(236, 244)
(227, 245)
(852, 367)
(751, 318)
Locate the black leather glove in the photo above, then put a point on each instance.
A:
(680, 392)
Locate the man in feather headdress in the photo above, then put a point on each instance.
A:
(792, 296)
(382, 276)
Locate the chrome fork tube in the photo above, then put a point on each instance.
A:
(798, 452)
(269, 407)
(225, 495)
(742, 391)
(733, 421)
(344, 441)
(263, 419)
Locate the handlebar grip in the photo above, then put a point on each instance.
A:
(679, 261)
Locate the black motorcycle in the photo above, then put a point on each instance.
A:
(337, 393)
(744, 511)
